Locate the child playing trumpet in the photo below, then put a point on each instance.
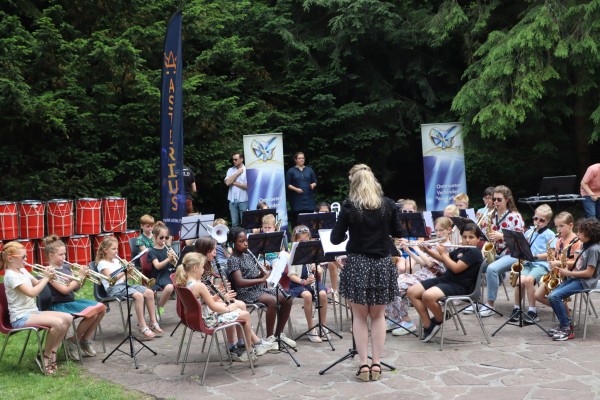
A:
(21, 290)
(106, 257)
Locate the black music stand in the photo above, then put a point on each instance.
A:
(311, 252)
(194, 226)
(270, 242)
(129, 338)
(316, 221)
(252, 219)
(520, 249)
(556, 186)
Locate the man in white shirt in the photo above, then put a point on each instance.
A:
(238, 189)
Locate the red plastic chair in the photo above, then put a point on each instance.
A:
(193, 320)
(181, 315)
(7, 329)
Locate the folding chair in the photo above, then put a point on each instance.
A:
(193, 320)
(7, 329)
(473, 299)
(102, 297)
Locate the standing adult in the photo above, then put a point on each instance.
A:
(369, 278)
(301, 181)
(590, 190)
(238, 189)
(189, 185)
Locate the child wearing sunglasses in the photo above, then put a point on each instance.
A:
(161, 260)
(538, 236)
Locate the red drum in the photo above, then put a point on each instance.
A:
(29, 251)
(31, 213)
(41, 254)
(88, 212)
(79, 249)
(60, 217)
(99, 238)
(114, 214)
(123, 238)
(9, 221)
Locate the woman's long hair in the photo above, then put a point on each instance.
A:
(365, 190)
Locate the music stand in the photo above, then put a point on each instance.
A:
(252, 219)
(519, 248)
(194, 226)
(316, 221)
(270, 242)
(557, 185)
(311, 252)
(129, 338)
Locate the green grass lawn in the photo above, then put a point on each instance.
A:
(71, 381)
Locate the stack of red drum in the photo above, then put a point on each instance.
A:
(82, 224)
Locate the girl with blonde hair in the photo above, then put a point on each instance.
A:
(369, 278)
(21, 291)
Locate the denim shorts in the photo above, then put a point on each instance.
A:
(21, 322)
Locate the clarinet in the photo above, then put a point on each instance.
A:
(217, 291)
(264, 270)
(222, 275)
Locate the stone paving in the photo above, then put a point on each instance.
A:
(520, 363)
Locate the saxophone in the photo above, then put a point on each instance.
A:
(550, 256)
(489, 249)
(556, 279)
(517, 267)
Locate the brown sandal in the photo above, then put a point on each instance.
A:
(364, 375)
(46, 366)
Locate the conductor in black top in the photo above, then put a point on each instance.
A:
(368, 279)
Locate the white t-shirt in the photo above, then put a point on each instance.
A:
(19, 304)
(112, 267)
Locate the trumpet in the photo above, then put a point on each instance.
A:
(136, 275)
(92, 276)
(59, 277)
(175, 256)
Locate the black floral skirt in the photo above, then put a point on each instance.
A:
(369, 281)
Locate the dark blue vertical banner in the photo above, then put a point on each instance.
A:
(171, 148)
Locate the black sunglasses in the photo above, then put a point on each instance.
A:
(498, 199)
(542, 220)
(163, 237)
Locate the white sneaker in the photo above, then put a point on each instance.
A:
(390, 325)
(486, 311)
(325, 334)
(404, 329)
(468, 310)
(313, 336)
(288, 341)
(71, 349)
(263, 347)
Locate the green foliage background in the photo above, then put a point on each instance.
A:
(346, 81)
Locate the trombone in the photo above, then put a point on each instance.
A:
(59, 277)
(136, 275)
(92, 276)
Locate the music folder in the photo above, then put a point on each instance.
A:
(330, 250)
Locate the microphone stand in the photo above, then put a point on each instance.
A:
(129, 338)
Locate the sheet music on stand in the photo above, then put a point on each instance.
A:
(269, 242)
(330, 250)
(194, 226)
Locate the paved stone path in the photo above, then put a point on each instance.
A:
(520, 363)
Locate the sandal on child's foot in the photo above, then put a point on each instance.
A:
(46, 368)
(375, 373)
(148, 334)
(156, 328)
(54, 366)
(364, 375)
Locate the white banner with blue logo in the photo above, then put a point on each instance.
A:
(443, 163)
(263, 156)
